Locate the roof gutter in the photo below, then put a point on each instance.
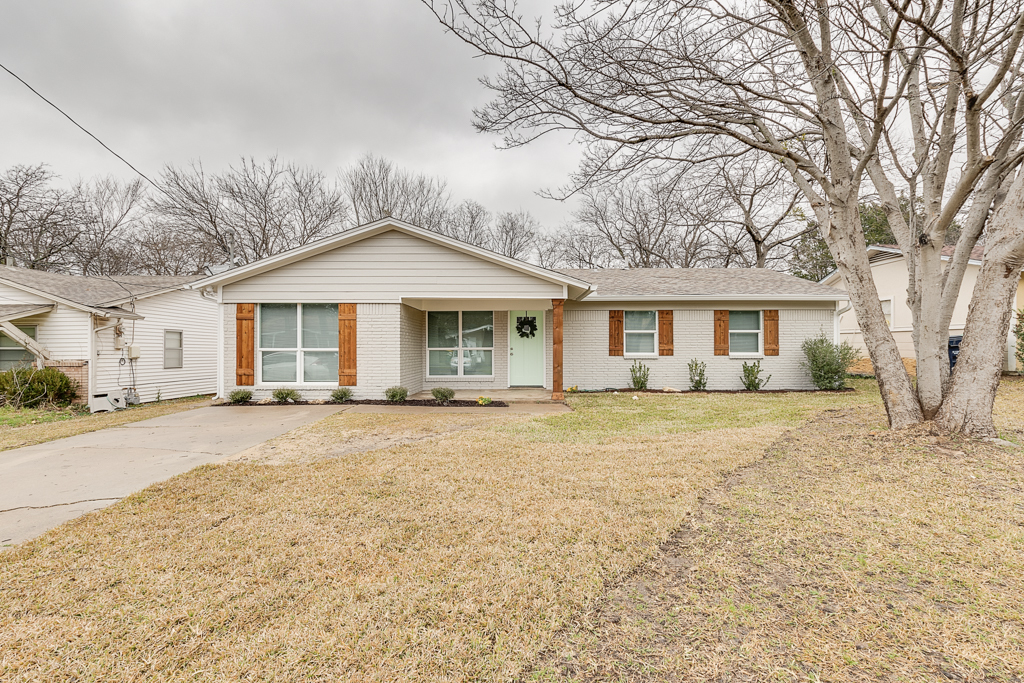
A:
(724, 297)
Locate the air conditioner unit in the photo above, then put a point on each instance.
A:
(105, 403)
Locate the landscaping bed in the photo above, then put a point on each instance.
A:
(422, 402)
(688, 392)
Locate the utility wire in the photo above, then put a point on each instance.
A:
(82, 128)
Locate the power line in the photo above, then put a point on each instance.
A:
(82, 128)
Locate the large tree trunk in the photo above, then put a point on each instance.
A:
(972, 392)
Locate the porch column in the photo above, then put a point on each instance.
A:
(556, 352)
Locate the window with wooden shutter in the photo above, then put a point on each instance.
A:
(347, 345)
(771, 333)
(245, 345)
(615, 333)
(721, 333)
(665, 334)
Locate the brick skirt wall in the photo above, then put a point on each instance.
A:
(78, 372)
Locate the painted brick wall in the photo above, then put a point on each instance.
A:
(588, 365)
(414, 334)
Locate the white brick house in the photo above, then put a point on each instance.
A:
(390, 304)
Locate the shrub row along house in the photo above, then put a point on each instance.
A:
(389, 304)
(151, 335)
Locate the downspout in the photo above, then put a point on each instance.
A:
(839, 313)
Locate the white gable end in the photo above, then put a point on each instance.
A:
(388, 267)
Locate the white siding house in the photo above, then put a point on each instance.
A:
(152, 335)
(390, 304)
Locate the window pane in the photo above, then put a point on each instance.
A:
(743, 342)
(278, 328)
(478, 330)
(477, 363)
(319, 326)
(744, 320)
(8, 343)
(641, 320)
(172, 358)
(172, 340)
(442, 329)
(320, 366)
(14, 358)
(443, 362)
(639, 342)
(278, 366)
(887, 306)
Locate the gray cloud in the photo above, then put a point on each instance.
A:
(313, 81)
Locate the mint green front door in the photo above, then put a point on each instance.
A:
(526, 354)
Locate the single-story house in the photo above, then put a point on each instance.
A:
(144, 334)
(391, 304)
(889, 270)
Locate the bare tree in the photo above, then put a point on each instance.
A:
(470, 222)
(114, 210)
(39, 223)
(514, 234)
(376, 189)
(827, 90)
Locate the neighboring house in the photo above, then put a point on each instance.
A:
(391, 304)
(889, 270)
(150, 333)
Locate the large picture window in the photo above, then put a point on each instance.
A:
(12, 354)
(460, 343)
(744, 332)
(641, 333)
(298, 343)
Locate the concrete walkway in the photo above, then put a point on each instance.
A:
(47, 484)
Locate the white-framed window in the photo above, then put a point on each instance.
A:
(640, 330)
(13, 354)
(298, 343)
(460, 343)
(173, 350)
(887, 311)
(745, 333)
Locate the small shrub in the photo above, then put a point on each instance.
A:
(1018, 332)
(29, 387)
(698, 375)
(240, 396)
(640, 374)
(286, 395)
(396, 394)
(484, 401)
(341, 394)
(828, 362)
(752, 376)
(443, 395)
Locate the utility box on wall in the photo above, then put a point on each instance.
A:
(132, 352)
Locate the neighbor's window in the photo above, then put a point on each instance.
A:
(744, 332)
(298, 343)
(887, 311)
(460, 343)
(641, 331)
(12, 354)
(172, 349)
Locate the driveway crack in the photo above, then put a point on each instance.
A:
(57, 505)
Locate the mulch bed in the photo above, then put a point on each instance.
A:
(429, 403)
(715, 391)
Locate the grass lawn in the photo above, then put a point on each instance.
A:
(485, 550)
(30, 426)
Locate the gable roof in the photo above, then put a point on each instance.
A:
(102, 295)
(577, 288)
(750, 284)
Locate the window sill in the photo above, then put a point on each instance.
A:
(746, 356)
(640, 355)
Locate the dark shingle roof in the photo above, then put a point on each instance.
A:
(702, 282)
(91, 291)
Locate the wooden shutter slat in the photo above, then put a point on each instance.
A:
(666, 335)
(245, 345)
(346, 345)
(771, 333)
(721, 333)
(616, 335)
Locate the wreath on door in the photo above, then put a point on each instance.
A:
(526, 326)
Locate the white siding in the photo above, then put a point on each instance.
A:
(63, 331)
(386, 268)
(184, 310)
(588, 365)
(13, 295)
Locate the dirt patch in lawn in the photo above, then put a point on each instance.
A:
(848, 554)
(864, 367)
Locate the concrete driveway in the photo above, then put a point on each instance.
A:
(45, 485)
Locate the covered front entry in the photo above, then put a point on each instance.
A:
(526, 349)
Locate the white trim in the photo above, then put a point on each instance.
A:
(29, 312)
(760, 336)
(839, 296)
(458, 349)
(375, 228)
(181, 347)
(220, 344)
(654, 333)
(892, 310)
(299, 351)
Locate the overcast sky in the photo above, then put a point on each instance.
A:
(318, 82)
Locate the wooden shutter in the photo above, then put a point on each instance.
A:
(245, 345)
(721, 333)
(615, 333)
(347, 345)
(771, 333)
(665, 334)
